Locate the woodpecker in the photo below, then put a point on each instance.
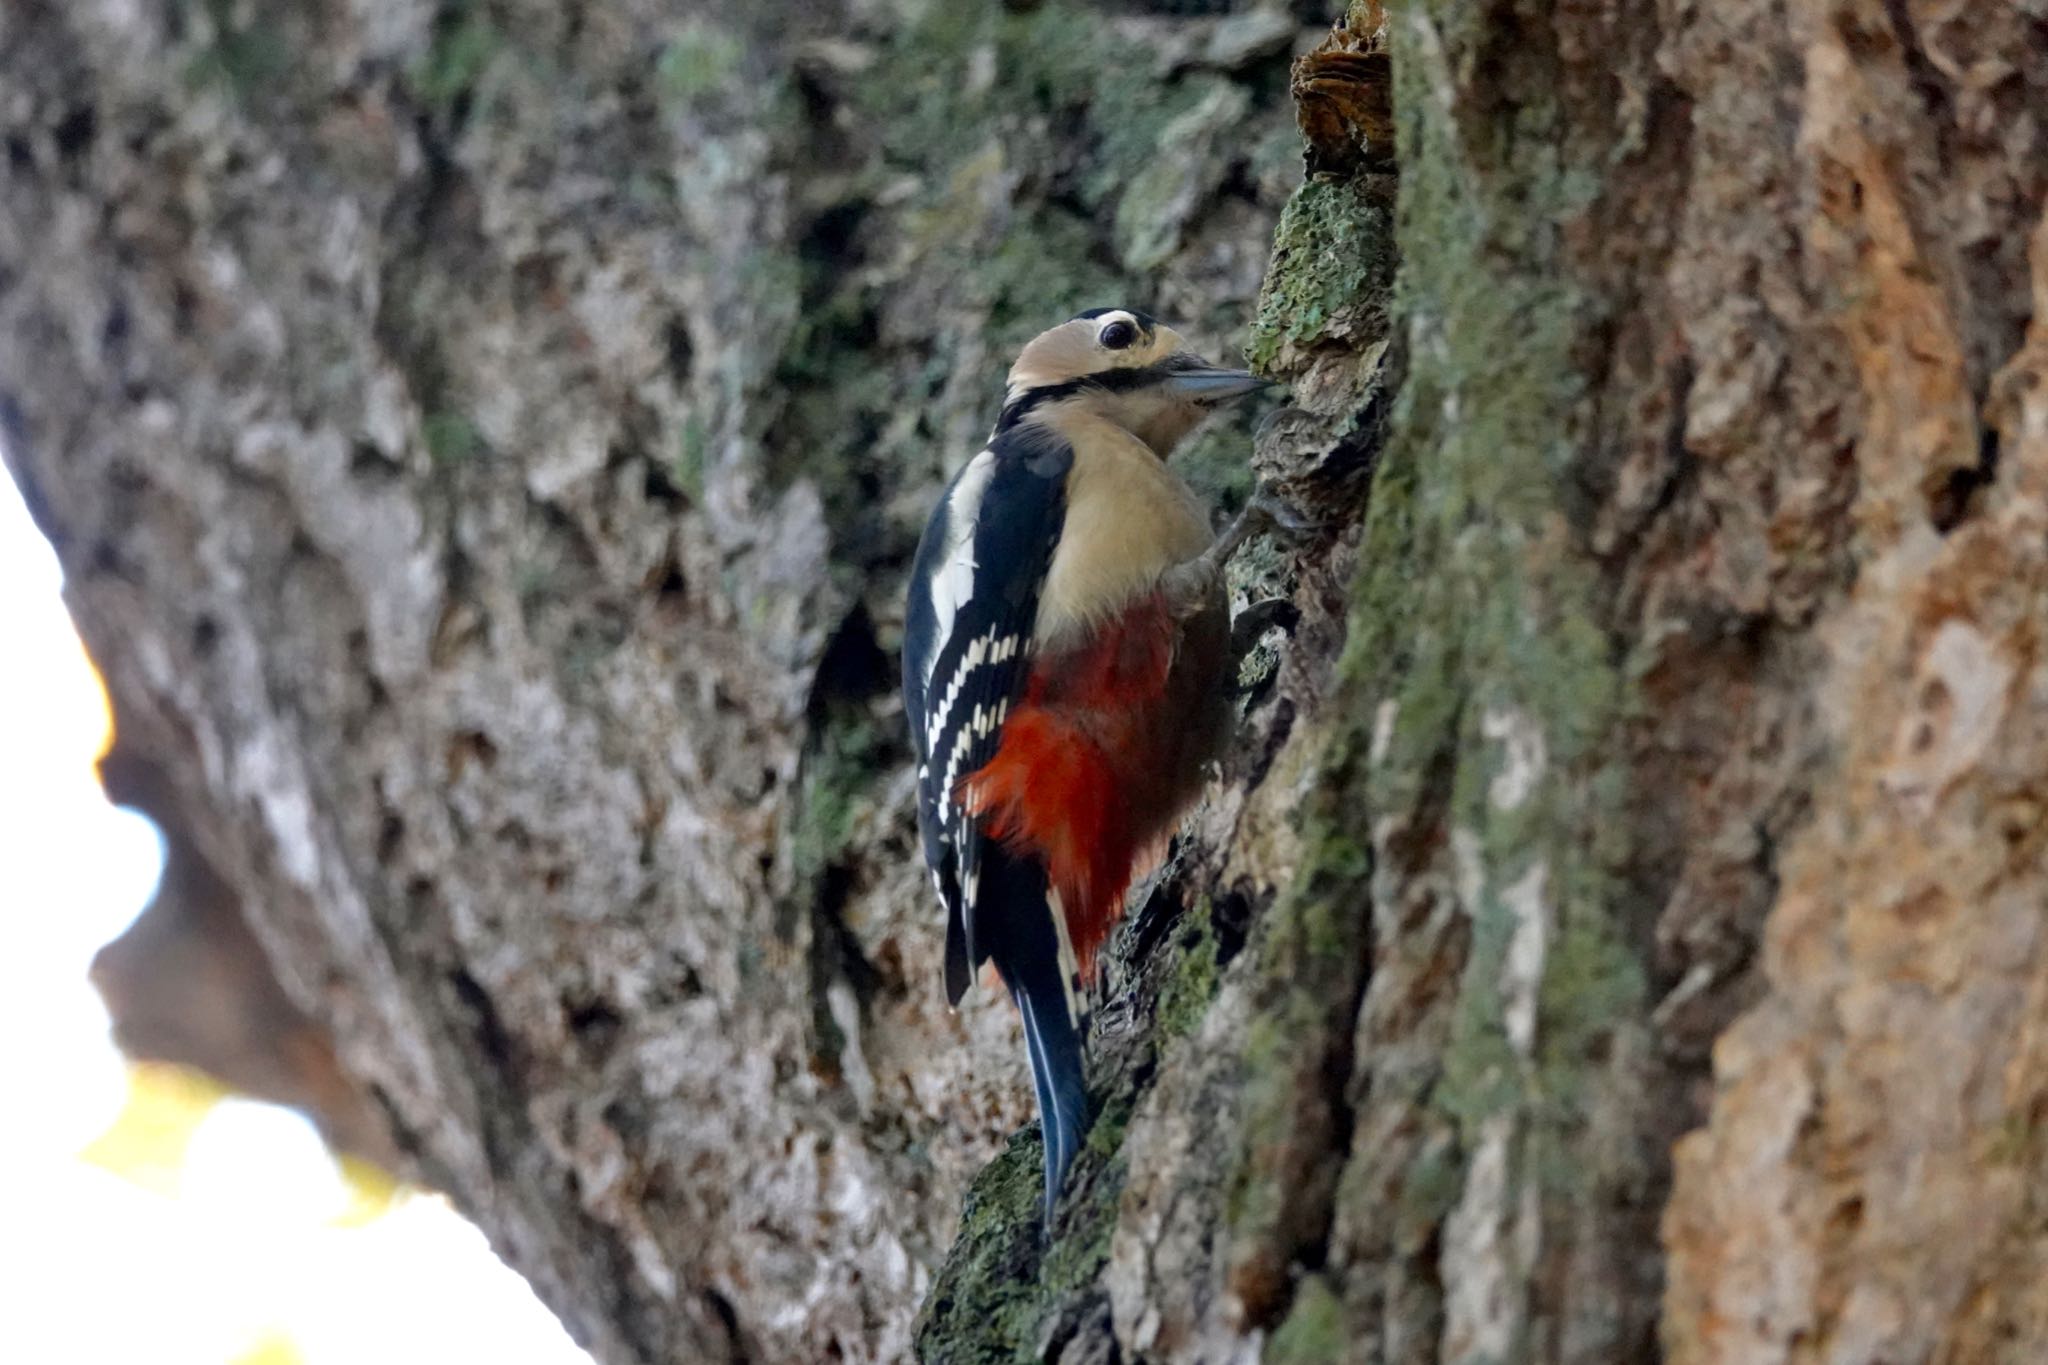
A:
(1065, 645)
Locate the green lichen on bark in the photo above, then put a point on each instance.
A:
(1332, 263)
(1475, 647)
(955, 80)
(450, 437)
(987, 1292)
(1327, 287)
(696, 59)
(1477, 573)
(466, 40)
(1010, 1291)
(1308, 965)
(1185, 996)
(1007, 1290)
(1313, 1333)
(244, 55)
(837, 785)
(1476, 694)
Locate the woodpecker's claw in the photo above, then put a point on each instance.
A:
(1190, 586)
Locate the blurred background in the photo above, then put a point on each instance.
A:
(155, 1215)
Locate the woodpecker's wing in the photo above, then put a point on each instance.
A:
(967, 648)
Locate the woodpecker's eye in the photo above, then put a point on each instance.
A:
(1118, 335)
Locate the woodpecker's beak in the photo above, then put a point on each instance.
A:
(1190, 376)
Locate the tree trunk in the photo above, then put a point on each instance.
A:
(485, 441)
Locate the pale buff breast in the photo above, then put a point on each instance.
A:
(1129, 519)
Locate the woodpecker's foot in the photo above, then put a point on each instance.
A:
(1190, 586)
(1265, 513)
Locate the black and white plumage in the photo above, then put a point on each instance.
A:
(968, 641)
(1036, 590)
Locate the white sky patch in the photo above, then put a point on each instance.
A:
(99, 1269)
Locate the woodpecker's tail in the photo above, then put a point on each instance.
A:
(1023, 940)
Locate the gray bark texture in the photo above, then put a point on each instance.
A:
(485, 440)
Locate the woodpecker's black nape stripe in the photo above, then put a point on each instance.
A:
(1123, 380)
(1145, 320)
(1024, 945)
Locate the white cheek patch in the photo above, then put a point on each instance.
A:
(953, 584)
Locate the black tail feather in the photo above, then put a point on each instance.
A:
(1024, 944)
(1055, 1048)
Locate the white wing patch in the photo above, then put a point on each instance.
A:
(953, 584)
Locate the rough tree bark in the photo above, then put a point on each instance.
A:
(484, 441)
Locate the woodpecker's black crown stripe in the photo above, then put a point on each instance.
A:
(1145, 320)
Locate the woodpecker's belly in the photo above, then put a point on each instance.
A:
(1105, 753)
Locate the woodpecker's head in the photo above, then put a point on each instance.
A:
(1119, 364)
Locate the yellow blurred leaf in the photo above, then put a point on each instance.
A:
(146, 1142)
(102, 708)
(372, 1191)
(272, 1348)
